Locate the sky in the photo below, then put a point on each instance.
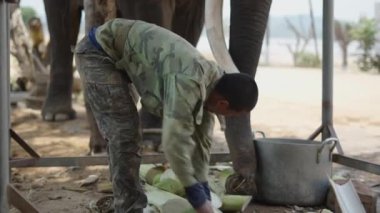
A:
(349, 10)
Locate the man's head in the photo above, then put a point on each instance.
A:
(233, 94)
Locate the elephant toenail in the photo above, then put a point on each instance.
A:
(49, 117)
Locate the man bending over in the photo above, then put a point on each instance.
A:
(174, 81)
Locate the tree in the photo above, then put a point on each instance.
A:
(344, 38)
(302, 58)
(313, 29)
(365, 33)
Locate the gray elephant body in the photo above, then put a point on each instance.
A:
(184, 17)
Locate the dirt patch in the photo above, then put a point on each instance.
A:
(288, 108)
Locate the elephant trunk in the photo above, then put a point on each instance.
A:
(248, 24)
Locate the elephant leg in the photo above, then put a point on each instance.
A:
(97, 143)
(161, 14)
(63, 22)
(95, 15)
(188, 19)
(97, 12)
(248, 24)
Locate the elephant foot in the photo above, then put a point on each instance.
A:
(58, 107)
(98, 146)
(98, 154)
(61, 115)
(237, 184)
(98, 151)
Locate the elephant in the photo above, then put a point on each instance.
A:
(184, 17)
(63, 17)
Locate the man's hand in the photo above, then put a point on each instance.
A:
(205, 208)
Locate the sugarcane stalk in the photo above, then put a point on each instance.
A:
(235, 202)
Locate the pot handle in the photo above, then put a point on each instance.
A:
(329, 141)
(260, 132)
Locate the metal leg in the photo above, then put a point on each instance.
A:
(18, 201)
(4, 106)
(315, 133)
(23, 144)
(327, 68)
(333, 134)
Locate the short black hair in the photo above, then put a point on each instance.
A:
(239, 89)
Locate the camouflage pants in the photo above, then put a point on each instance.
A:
(107, 94)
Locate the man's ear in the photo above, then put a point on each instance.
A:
(223, 104)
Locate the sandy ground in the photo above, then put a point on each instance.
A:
(289, 106)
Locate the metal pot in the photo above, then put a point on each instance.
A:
(293, 171)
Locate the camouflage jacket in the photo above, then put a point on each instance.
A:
(173, 80)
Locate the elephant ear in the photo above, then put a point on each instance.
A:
(215, 35)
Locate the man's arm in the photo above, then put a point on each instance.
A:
(203, 137)
(181, 99)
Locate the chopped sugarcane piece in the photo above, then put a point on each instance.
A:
(223, 175)
(91, 179)
(153, 174)
(235, 202)
(144, 168)
(105, 187)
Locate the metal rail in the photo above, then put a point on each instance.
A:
(356, 164)
(97, 160)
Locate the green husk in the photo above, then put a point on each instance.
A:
(172, 186)
(144, 168)
(177, 206)
(216, 187)
(235, 202)
(169, 182)
(156, 179)
(165, 201)
(223, 175)
(153, 174)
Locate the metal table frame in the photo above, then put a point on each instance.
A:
(10, 195)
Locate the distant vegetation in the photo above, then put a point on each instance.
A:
(344, 37)
(365, 33)
(279, 27)
(298, 28)
(303, 33)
